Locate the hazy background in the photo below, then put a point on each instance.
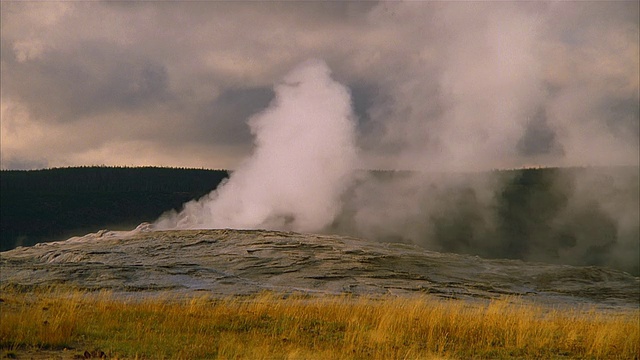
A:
(434, 84)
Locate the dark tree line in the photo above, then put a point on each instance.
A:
(102, 179)
(54, 204)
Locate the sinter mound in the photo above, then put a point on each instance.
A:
(237, 262)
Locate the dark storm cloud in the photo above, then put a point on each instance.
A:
(224, 119)
(95, 77)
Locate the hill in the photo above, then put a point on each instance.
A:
(55, 204)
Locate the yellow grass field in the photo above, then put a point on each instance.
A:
(57, 322)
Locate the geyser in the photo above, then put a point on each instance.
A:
(302, 162)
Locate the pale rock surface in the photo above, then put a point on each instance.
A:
(238, 262)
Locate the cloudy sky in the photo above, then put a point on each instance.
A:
(434, 84)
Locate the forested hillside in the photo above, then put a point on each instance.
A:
(54, 204)
(577, 216)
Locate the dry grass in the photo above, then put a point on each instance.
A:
(269, 326)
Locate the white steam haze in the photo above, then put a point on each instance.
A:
(303, 161)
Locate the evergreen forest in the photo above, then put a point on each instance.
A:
(577, 216)
(55, 204)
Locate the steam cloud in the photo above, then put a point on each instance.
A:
(303, 161)
(485, 94)
(301, 177)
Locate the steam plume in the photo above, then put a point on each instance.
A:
(495, 91)
(302, 163)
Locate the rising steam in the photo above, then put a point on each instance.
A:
(490, 105)
(302, 162)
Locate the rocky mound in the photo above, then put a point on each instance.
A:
(235, 262)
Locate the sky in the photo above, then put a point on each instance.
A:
(434, 85)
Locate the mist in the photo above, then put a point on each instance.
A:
(302, 176)
(301, 165)
(493, 86)
(483, 96)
